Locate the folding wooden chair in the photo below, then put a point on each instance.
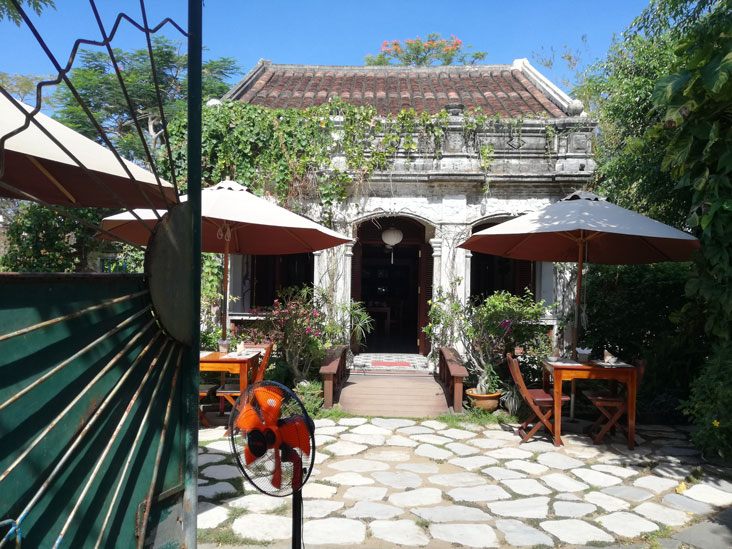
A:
(612, 407)
(540, 402)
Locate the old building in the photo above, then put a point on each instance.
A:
(407, 224)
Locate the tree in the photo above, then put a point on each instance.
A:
(8, 11)
(97, 83)
(426, 52)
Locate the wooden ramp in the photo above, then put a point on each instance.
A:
(393, 395)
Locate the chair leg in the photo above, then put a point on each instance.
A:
(612, 420)
(537, 425)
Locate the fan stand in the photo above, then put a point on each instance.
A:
(297, 519)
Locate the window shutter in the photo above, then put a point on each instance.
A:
(523, 276)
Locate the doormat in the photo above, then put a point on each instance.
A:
(386, 363)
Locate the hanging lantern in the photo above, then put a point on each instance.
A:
(391, 237)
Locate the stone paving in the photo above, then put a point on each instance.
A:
(397, 482)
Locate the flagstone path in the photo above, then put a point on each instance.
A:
(398, 482)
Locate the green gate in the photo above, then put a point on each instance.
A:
(99, 372)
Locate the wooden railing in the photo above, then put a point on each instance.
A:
(450, 373)
(334, 373)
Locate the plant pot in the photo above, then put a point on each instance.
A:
(488, 402)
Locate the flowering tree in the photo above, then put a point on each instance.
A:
(418, 52)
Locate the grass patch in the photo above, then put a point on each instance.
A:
(335, 413)
(422, 523)
(225, 537)
(476, 416)
(652, 537)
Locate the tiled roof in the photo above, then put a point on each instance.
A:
(507, 90)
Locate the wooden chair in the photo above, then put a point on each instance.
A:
(612, 406)
(231, 391)
(540, 402)
(205, 390)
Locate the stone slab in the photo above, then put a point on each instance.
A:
(626, 524)
(257, 503)
(472, 463)
(420, 496)
(710, 534)
(433, 452)
(352, 421)
(434, 424)
(526, 487)
(212, 433)
(575, 531)
(205, 459)
(526, 466)
(419, 468)
(372, 509)
(349, 479)
(365, 493)
(607, 502)
(628, 493)
(477, 494)
(336, 531)
(661, 513)
(469, 535)
(392, 423)
(687, 504)
(399, 532)
(596, 478)
(415, 430)
(215, 490)
(709, 494)
(573, 509)
(521, 508)
(501, 473)
(262, 527)
(457, 480)
(223, 446)
(519, 534)
(509, 453)
(321, 508)
(462, 449)
(457, 434)
(324, 422)
(398, 479)
(451, 513)
(656, 484)
(210, 515)
(332, 430)
(357, 465)
(315, 490)
(488, 444)
(368, 429)
(563, 483)
(392, 456)
(616, 470)
(369, 440)
(345, 448)
(555, 460)
(432, 439)
(399, 440)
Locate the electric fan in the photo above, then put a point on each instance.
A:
(273, 440)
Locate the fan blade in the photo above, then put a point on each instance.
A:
(288, 454)
(269, 400)
(277, 474)
(249, 457)
(249, 420)
(294, 432)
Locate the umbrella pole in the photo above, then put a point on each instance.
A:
(575, 330)
(225, 300)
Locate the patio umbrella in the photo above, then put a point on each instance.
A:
(57, 165)
(584, 228)
(236, 221)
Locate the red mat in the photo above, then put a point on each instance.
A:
(385, 363)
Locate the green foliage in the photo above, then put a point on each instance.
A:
(8, 11)
(489, 329)
(96, 82)
(656, 323)
(710, 404)
(212, 273)
(288, 153)
(434, 49)
(22, 86)
(310, 394)
(41, 240)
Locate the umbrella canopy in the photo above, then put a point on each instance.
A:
(254, 225)
(69, 169)
(580, 228)
(611, 235)
(236, 221)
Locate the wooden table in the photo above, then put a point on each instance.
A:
(566, 370)
(216, 362)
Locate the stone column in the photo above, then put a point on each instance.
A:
(347, 265)
(436, 244)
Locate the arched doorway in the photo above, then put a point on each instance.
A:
(394, 284)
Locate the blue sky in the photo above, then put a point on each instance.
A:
(336, 33)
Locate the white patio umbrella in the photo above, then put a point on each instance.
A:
(57, 165)
(584, 228)
(236, 221)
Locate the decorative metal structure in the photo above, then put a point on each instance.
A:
(98, 405)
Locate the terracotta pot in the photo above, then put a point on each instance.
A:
(488, 402)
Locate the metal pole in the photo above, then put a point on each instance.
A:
(189, 381)
(297, 519)
(575, 340)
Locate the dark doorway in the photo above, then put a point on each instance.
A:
(492, 273)
(394, 290)
(389, 291)
(275, 272)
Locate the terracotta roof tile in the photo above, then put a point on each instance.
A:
(497, 89)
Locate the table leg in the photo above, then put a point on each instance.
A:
(222, 401)
(557, 408)
(545, 380)
(571, 399)
(632, 387)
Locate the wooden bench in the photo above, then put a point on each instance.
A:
(450, 374)
(334, 373)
